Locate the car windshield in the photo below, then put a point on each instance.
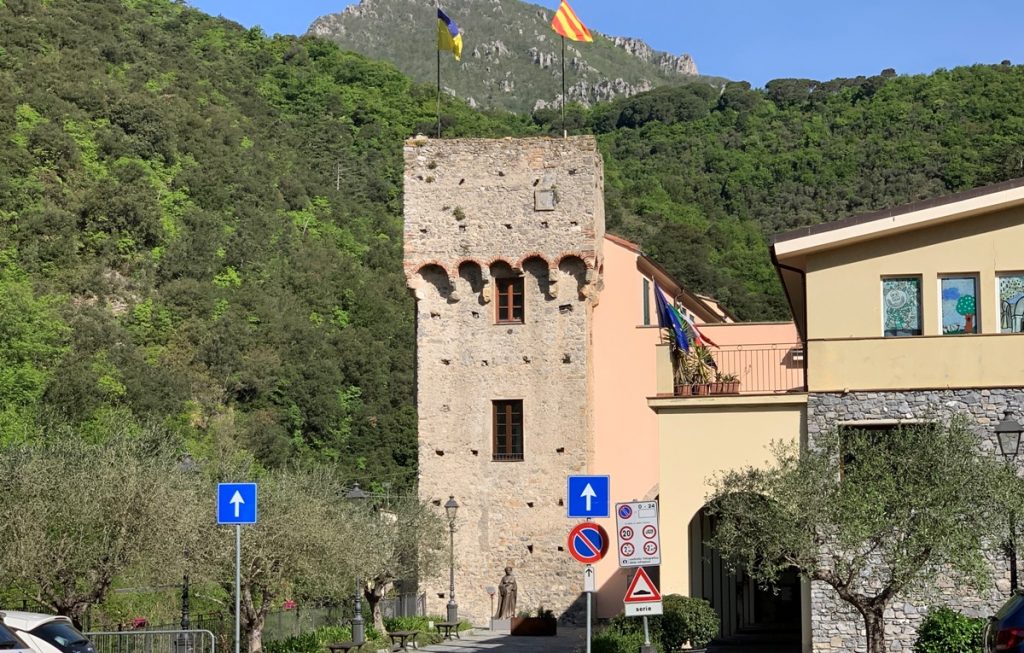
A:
(60, 634)
(1009, 606)
(9, 640)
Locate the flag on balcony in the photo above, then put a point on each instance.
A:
(668, 318)
(698, 337)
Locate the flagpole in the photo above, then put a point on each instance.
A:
(437, 5)
(439, 93)
(565, 134)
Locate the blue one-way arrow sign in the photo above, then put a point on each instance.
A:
(236, 503)
(588, 496)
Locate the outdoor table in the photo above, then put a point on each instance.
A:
(448, 627)
(399, 639)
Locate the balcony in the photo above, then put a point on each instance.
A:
(760, 369)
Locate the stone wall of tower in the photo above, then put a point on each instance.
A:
(476, 211)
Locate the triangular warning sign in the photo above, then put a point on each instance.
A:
(641, 589)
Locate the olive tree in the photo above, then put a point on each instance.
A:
(79, 513)
(401, 538)
(871, 514)
(302, 542)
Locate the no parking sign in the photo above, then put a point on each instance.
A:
(588, 542)
(639, 540)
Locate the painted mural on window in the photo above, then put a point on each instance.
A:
(959, 305)
(1011, 303)
(901, 301)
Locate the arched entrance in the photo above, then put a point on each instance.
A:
(740, 603)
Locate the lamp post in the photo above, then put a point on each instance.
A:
(451, 507)
(356, 495)
(1008, 434)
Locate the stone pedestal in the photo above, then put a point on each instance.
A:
(503, 626)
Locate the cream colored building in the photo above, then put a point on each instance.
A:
(539, 356)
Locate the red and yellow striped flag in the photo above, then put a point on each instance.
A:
(568, 25)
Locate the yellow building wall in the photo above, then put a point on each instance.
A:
(846, 347)
(699, 437)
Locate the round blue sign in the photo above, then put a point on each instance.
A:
(625, 511)
(588, 542)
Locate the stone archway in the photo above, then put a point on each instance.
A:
(742, 606)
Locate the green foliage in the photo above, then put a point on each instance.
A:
(613, 640)
(947, 631)
(687, 619)
(203, 226)
(920, 499)
(317, 640)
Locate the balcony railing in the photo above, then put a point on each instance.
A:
(761, 369)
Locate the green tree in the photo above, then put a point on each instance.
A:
(872, 515)
(400, 539)
(84, 512)
(303, 543)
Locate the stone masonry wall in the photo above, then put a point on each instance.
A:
(837, 628)
(476, 210)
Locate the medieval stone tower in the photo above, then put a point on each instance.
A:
(503, 253)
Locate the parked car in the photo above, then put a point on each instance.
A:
(1005, 632)
(11, 643)
(47, 633)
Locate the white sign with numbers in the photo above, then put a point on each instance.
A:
(639, 541)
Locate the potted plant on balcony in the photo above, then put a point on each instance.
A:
(700, 365)
(725, 384)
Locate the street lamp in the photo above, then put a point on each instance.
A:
(1008, 434)
(451, 507)
(356, 495)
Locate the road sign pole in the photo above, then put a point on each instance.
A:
(647, 648)
(589, 599)
(238, 588)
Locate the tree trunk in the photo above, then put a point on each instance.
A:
(874, 628)
(373, 597)
(256, 639)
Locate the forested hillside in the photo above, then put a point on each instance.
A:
(201, 226)
(701, 179)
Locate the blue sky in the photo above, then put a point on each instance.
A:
(759, 40)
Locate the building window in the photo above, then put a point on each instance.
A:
(959, 304)
(647, 303)
(510, 300)
(901, 306)
(1011, 303)
(508, 429)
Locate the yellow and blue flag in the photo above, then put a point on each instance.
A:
(448, 36)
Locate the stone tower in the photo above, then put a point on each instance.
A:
(503, 254)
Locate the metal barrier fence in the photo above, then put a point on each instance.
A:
(760, 369)
(154, 641)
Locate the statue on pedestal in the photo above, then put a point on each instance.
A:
(507, 596)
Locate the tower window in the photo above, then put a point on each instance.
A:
(508, 429)
(510, 300)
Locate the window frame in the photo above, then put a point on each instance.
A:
(974, 276)
(999, 276)
(920, 305)
(507, 289)
(509, 452)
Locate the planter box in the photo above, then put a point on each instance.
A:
(702, 389)
(719, 388)
(683, 390)
(534, 626)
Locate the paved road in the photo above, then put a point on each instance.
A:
(572, 640)
(568, 640)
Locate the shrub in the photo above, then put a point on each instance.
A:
(687, 619)
(613, 640)
(947, 631)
